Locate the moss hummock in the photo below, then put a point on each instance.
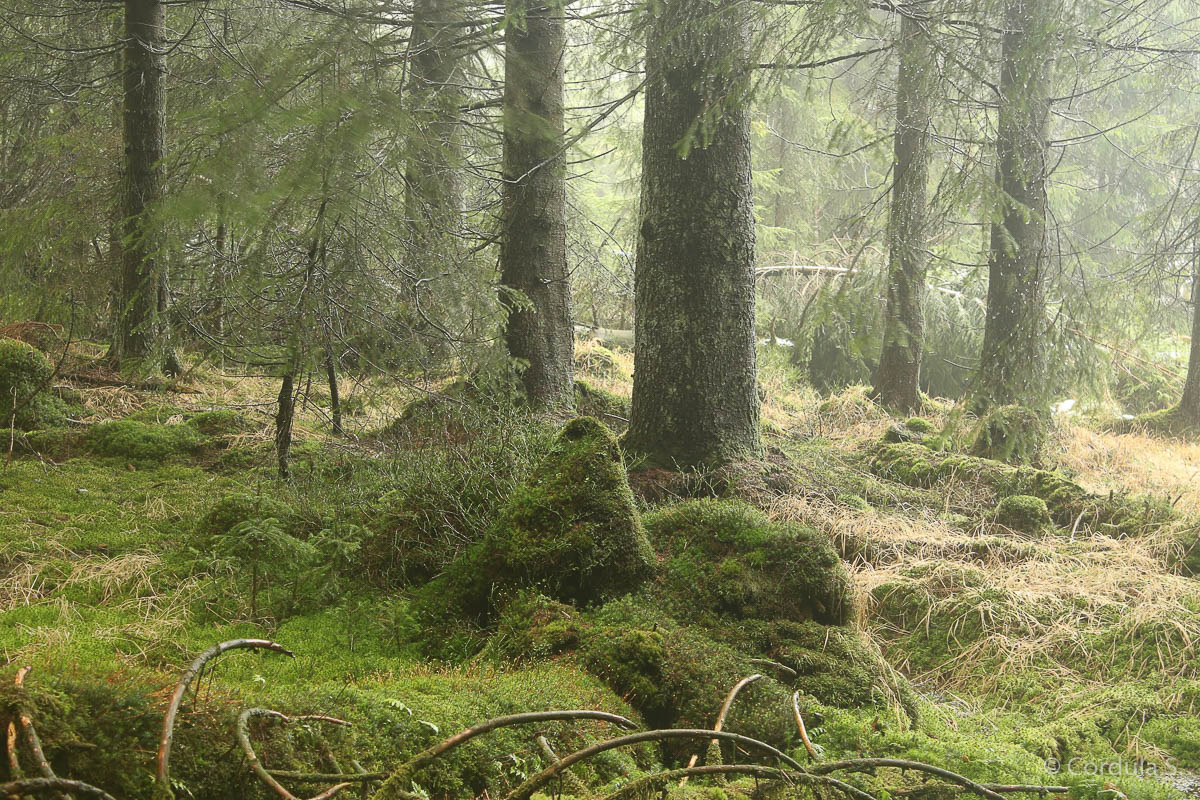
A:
(725, 559)
(139, 441)
(571, 531)
(26, 401)
(1023, 512)
(1012, 434)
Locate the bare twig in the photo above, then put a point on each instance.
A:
(243, 736)
(163, 776)
(722, 714)
(812, 751)
(867, 764)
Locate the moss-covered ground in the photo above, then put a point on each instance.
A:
(963, 628)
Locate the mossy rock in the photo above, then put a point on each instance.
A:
(723, 559)
(571, 531)
(135, 441)
(920, 425)
(1023, 512)
(597, 360)
(221, 422)
(25, 376)
(1012, 434)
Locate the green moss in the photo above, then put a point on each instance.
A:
(220, 422)
(26, 399)
(593, 401)
(920, 425)
(571, 531)
(141, 442)
(725, 559)
(1024, 513)
(158, 414)
(1012, 434)
(234, 509)
(853, 501)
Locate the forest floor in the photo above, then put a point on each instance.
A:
(1065, 645)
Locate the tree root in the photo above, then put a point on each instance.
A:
(59, 785)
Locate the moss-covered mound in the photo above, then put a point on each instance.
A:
(26, 399)
(234, 509)
(571, 531)
(130, 440)
(220, 422)
(1023, 512)
(593, 401)
(1068, 503)
(724, 559)
(1012, 434)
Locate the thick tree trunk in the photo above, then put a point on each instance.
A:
(1189, 406)
(896, 378)
(144, 114)
(1012, 368)
(533, 252)
(694, 393)
(433, 199)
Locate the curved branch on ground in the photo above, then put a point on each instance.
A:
(578, 787)
(723, 713)
(59, 785)
(533, 784)
(243, 736)
(775, 665)
(163, 776)
(866, 764)
(391, 788)
(32, 740)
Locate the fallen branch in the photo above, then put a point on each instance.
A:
(867, 764)
(163, 777)
(577, 786)
(31, 737)
(722, 714)
(243, 736)
(775, 665)
(533, 784)
(60, 785)
(391, 788)
(808, 745)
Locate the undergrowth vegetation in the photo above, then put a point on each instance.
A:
(925, 603)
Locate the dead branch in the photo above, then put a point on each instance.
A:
(533, 784)
(775, 665)
(867, 764)
(59, 785)
(14, 761)
(812, 751)
(722, 714)
(1003, 788)
(31, 737)
(243, 736)
(163, 777)
(391, 788)
(577, 786)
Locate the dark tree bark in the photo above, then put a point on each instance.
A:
(694, 393)
(144, 114)
(1189, 406)
(284, 416)
(1012, 368)
(433, 198)
(897, 377)
(335, 396)
(533, 252)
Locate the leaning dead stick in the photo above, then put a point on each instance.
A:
(577, 787)
(162, 778)
(243, 736)
(393, 787)
(32, 741)
(58, 785)
(722, 714)
(808, 745)
(535, 783)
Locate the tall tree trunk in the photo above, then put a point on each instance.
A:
(1189, 406)
(144, 112)
(899, 370)
(285, 414)
(433, 198)
(335, 396)
(533, 252)
(695, 391)
(1012, 368)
